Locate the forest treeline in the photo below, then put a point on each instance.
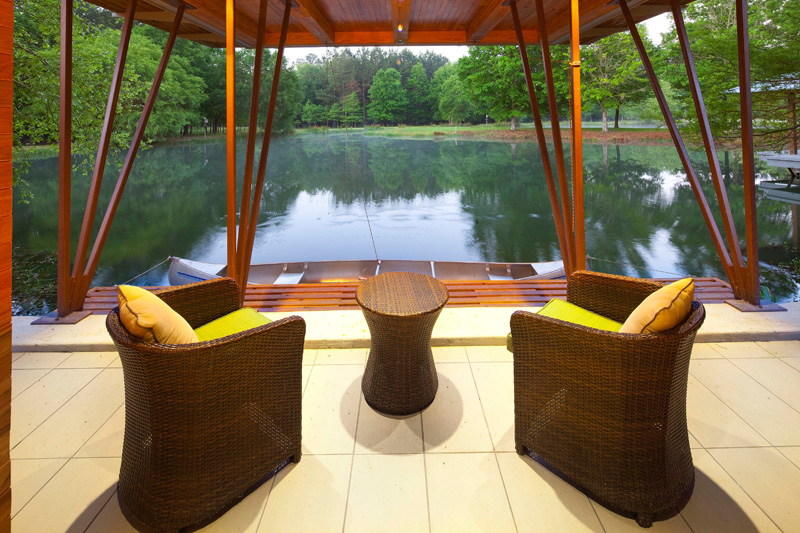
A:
(387, 86)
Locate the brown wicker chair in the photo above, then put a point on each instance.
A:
(607, 411)
(206, 423)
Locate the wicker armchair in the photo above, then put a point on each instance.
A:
(607, 411)
(206, 423)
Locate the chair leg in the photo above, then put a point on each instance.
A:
(296, 457)
(522, 450)
(644, 520)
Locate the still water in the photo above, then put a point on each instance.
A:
(424, 199)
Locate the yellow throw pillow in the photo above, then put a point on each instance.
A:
(149, 318)
(662, 310)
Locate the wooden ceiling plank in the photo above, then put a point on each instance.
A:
(206, 37)
(488, 17)
(315, 21)
(213, 19)
(592, 17)
(150, 16)
(401, 14)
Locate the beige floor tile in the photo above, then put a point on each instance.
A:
(466, 493)
(718, 504)
(330, 408)
(455, 422)
(775, 375)
(613, 522)
(488, 354)
(40, 360)
(341, 357)
(245, 517)
(740, 350)
(89, 360)
(43, 398)
(768, 477)
(309, 496)
(16, 355)
(387, 493)
(111, 519)
(107, 442)
(792, 453)
(782, 348)
(450, 354)
(72, 498)
(309, 356)
(382, 434)
(693, 442)
(714, 424)
(22, 379)
(76, 421)
(761, 409)
(495, 383)
(306, 375)
(28, 476)
(793, 362)
(704, 351)
(116, 363)
(541, 501)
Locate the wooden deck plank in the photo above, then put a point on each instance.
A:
(341, 295)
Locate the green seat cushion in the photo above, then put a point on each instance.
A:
(236, 322)
(563, 310)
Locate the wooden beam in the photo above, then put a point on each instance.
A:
(210, 16)
(601, 32)
(488, 17)
(207, 37)
(64, 285)
(401, 13)
(149, 16)
(230, 133)
(314, 19)
(748, 162)
(593, 13)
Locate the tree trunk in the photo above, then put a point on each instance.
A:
(513, 123)
(605, 120)
(605, 156)
(616, 119)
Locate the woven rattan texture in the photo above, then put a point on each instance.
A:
(606, 410)
(400, 309)
(401, 293)
(206, 423)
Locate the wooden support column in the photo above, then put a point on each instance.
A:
(737, 281)
(577, 138)
(246, 249)
(86, 278)
(711, 224)
(64, 290)
(253, 125)
(748, 163)
(556, 128)
(102, 151)
(230, 132)
(6, 116)
(561, 232)
(401, 13)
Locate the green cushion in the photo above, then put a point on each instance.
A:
(236, 322)
(563, 310)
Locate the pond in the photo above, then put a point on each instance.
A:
(452, 199)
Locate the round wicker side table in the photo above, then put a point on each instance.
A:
(401, 309)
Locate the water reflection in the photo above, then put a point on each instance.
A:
(425, 199)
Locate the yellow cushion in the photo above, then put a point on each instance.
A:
(235, 322)
(148, 318)
(662, 310)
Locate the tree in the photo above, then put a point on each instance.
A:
(388, 97)
(335, 113)
(419, 105)
(454, 105)
(612, 73)
(351, 109)
(495, 81)
(313, 114)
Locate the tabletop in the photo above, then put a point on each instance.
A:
(401, 294)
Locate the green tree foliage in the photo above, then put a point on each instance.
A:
(388, 97)
(495, 81)
(419, 103)
(454, 104)
(774, 70)
(351, 109)
(313, 114)
(612, 74)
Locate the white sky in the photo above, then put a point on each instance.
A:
(655, 27)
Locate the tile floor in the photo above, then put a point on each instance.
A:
(451, 468)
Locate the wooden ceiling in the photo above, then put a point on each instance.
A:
(376, 22)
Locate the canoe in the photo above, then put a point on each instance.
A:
(183, 271)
